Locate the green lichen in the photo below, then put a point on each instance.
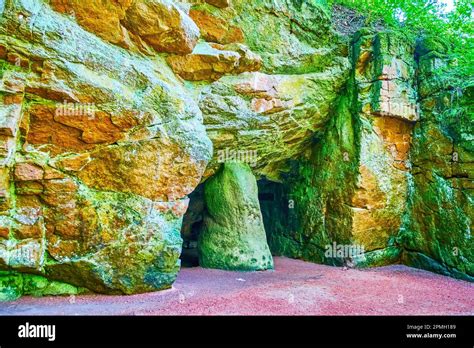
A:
(233, 236)
(318, 192)
(14, 284)
(438, 222)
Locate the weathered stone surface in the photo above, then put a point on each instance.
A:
(381, 189)
(219, 3)
(384, 70)
(100, 17)
(269, 117)
(437, 229)
(103, 150)
(9, 119)
(283, 33)
(27, 172)
(215, 29)
(5, 194)
(134, 24)
(351, 187)
(10, 115)
(4, 232)
(162, 25)
(233, 236)
(212, 61)
(154, 168)
(70, 163)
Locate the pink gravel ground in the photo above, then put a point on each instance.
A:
(293, 288)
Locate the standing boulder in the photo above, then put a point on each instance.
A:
(233, 237)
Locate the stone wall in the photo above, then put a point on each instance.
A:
(437, 230)
(393, 171)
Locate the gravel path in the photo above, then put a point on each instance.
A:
(294, 288)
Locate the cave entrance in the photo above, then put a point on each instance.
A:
(192, 226)
(275, 207)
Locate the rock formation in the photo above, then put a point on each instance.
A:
(233, 236)
(101, 147)
(113, 112)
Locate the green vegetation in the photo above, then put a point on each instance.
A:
(421, 18)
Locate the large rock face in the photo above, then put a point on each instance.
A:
(233, 236)
(275, 111)
(113, 112)
(437, 230)
(389, 175)
(384, 75)
(135, 24)
(351, 188)
(101, 147)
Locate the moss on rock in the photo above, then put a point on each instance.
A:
(233, 236)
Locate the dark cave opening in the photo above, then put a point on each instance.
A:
(275, 206)
(192, 226)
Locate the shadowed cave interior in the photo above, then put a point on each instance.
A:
(277, 212)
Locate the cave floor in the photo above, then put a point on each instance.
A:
(293, 288)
